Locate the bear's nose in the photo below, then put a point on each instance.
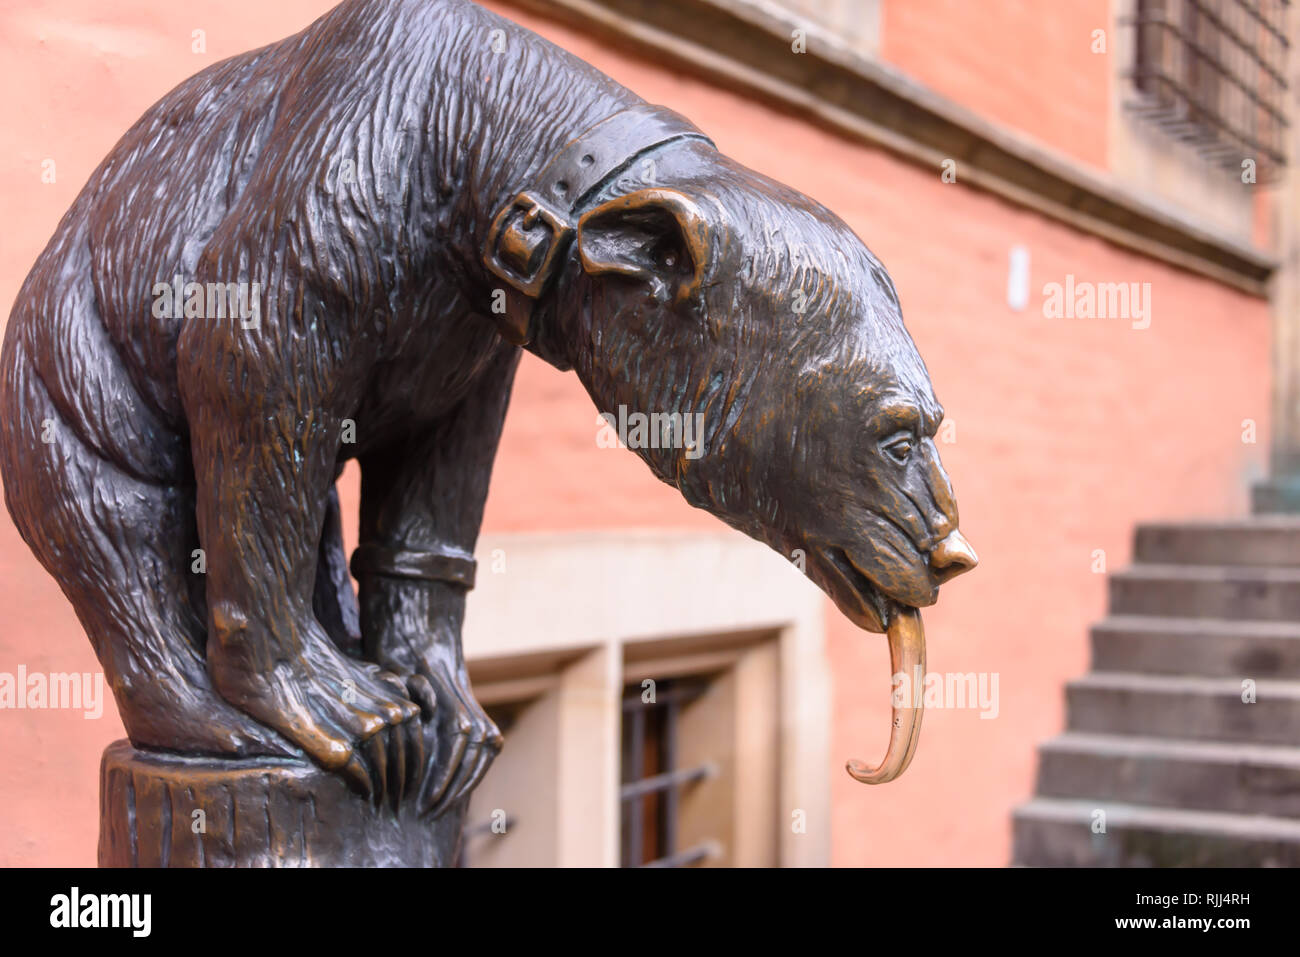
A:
(952, 556)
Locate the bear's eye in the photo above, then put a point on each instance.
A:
(898, 447)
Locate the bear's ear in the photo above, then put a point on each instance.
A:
(656, 236)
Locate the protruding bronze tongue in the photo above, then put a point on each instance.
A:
(907, 657)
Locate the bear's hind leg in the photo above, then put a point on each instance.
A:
(122, 550)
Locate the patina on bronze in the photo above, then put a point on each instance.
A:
(406, 194)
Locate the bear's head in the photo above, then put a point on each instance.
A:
(764, 347)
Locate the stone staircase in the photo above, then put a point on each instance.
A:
(1158, 737)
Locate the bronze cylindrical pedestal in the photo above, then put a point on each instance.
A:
(162, 810)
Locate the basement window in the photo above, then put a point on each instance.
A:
(654, 777)
(1212, 73)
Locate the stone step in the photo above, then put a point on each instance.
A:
(1197, 646)
(1207, 591)
(1184, 706)
(1265, 540)
(1193, 775)
(1275, 497)
(1052, 832)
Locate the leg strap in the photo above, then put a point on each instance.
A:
(445, 565)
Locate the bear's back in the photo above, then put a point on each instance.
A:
(266, 119)
(161, 193)
(232, 177)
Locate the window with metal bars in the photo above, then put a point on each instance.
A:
(1213, 74)
(652, 780)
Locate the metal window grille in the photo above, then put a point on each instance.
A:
(652, 781)
(1213, 74)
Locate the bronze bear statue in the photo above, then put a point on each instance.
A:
(335, 247)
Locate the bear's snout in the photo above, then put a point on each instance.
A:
(951, 557)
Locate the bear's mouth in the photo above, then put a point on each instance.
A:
(871, 600)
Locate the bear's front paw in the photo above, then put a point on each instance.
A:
(460, 739)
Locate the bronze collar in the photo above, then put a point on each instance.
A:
(529, 235)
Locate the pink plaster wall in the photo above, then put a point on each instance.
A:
(1022, 63)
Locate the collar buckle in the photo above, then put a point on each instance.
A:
(525, 242)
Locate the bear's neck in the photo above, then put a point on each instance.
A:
(504, 101)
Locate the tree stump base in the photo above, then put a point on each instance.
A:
(162, 810)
